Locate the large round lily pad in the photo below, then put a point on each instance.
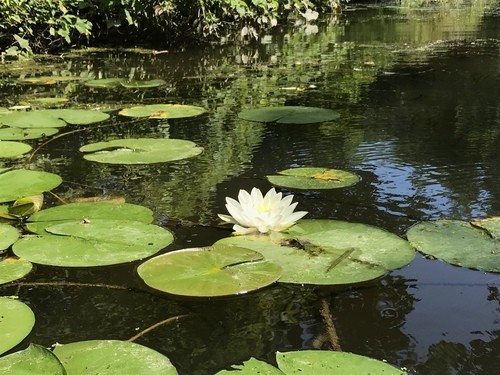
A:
(289, 115)
(10, 149)
(16, 322)
(96, 242)
(329, 252)
(313, 178)
(18, 183)
(319, 362)
(8, 235)
(33, 360)
(19, 134)
(112, 357)
(13, 268)
(140, 151)
(459, 243)
(208, 272)
(52, 118)
(88, 211)
(163, 111)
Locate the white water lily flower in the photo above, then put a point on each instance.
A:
(256, 213)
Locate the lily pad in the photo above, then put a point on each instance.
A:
(251, 367)
(329, 252)
(52, 118)
(313, 178)
(289, 115)
(18, 183)
(96, 242)
(16, 322)
(106, 83)
(315, 362)
(8, 235)
(135, 84)
(50, 80)
(13, 269)
(89, 211)
(33, 360)
(111, 357)
(209, 272)
(163, 111)
(49, 101)
(140, 151)
(9, 149)
(457, 242)
(19, 134)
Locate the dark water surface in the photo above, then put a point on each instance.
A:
(418, 93)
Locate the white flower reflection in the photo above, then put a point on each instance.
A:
(256, 213)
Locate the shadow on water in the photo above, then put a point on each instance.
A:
(418, 94)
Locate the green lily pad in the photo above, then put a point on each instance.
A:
(313, 178)
(106, 83)
(316, 362)
(52, 118)
(96, 242)
(457, 242)
(16, 322)
(111, 357)
(89, 211)
(13, 269)
(18, 183)
(9, 149)
(140, 151)
(19, 134)
(289, 115)
(329, 252)
(163, 111)
(50, 80)
(490, 224)
(209, 272)
(35, 359)
(143, 84)
(48, 101)
(251, 367)
(8, 235)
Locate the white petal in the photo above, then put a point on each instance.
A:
(238, 229)
(227, 218)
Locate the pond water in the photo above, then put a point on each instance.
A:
(417, 91)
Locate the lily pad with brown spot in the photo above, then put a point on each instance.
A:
(313, 178)
(163, 111)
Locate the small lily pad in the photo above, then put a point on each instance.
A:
(459, 243)
(52, 118)
(111, 357)
(16, 322)
(10, 149)
(96, 242)
(163, 111)
(35, 359)
(135, 84)
(8, 235)
(140, 151)
(313, 178)
(106, 83)
(18, 183)
(13, 269)
(209, 272)
(329, 252)
(289, 115)
(19, 134)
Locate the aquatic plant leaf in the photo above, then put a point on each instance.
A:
(209, 272)
(10, 149)
(51, 80)
(111, 357)
(16, 323)
(490, 224)
(35, 359)
(289, 115)
(251, 367)
(13, 268)
(140, 151)
(48, 101)
(19, 134)
(313, 178)
(163, 111)
(97, 242)
(8, 235)
(457, 242)
(106, 83)
(135, 84)
(18, 183)
(79, 116)
(26, 206)
(329, 252)
(53, 118)
(88, 211)
(315, 362)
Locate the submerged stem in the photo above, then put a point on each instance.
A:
(154, 326)
(331, 331)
